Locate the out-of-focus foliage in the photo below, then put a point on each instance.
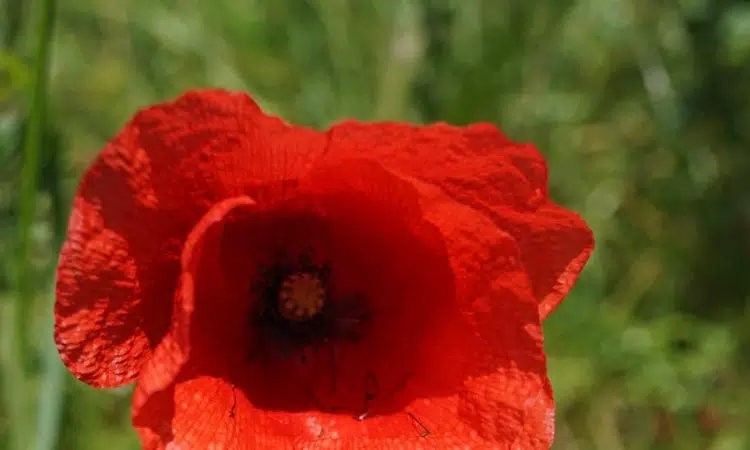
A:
(642, 108)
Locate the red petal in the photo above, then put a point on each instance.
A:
(481, 168)
(506, 396)
(180, 411)
(184, 396)
(119, 265)
(190, 394)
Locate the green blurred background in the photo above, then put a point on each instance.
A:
(641, 106)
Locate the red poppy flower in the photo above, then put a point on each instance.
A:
(270, 286)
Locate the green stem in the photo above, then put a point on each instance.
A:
(35, 127)
(17, 312)
(14, 387)
(52, 389)
(51, 393)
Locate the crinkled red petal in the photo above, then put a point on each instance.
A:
(119, 265)
(483, 169)
(156, 400)
(471, 370)
(506, 396)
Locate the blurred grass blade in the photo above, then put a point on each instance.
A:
(14, 387)
(438, 22)
(13, 14)
(33, 139)
(16, 369)
(51, 392)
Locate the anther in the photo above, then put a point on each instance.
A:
(301, 297)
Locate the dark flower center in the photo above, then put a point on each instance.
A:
(298, 308)
(342, 317)
(301, 297)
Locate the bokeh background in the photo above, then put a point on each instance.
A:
(642, 108)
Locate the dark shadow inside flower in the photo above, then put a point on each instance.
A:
(334, 299)
(341, 299)
(346, 287)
